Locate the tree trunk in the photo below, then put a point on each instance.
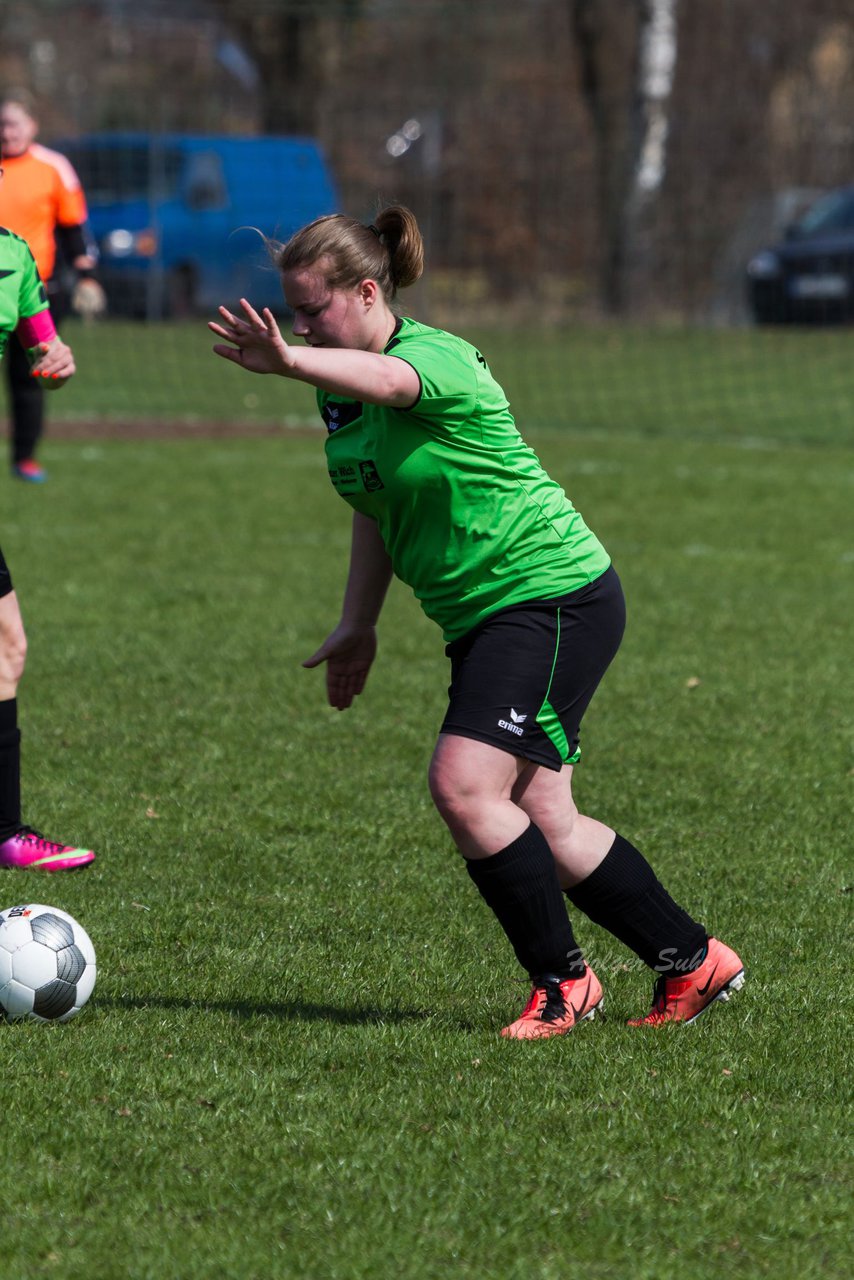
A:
(627, 51)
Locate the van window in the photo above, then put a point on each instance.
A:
(128, 171)
(205, 181)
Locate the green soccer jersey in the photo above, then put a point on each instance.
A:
(22, 293)
(469, 517)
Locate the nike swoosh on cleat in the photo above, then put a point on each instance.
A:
(577, 1012)
(701, 991)
(51, 858)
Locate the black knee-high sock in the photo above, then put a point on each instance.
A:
(624, 896)
(10, 769)
(520, 884)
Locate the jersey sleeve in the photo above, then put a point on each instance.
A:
(71, 210)
(447, 375)
(32, 295)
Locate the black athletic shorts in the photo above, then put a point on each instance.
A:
(5, 577)
(522, 679)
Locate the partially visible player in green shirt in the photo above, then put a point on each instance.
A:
(448, 497)
(25, 317)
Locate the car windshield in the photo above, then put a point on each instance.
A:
(834, 212)
(126, 171)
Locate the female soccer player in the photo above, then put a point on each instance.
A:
(24, 311)
(447, 496)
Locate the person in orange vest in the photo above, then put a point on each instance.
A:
(42, 201)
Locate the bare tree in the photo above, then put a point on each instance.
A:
(627, 52)
(297, 46)
(565, 152)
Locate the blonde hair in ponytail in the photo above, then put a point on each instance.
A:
(390, 250)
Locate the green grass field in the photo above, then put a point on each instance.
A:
(290, 1065)
(742, 385)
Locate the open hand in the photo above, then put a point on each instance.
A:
(256, 343)
(348, 655)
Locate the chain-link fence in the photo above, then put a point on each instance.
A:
(572, 162)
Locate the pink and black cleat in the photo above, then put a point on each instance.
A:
(29, 850)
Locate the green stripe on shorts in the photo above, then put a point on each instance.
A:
(547, 718)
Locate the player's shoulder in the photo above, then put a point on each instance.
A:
(413, 335)
(408, 330)
(14, 244)
(59, 163)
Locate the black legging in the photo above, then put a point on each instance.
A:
(25, 394)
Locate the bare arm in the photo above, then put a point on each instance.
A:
(351, 648)
(369, 576)
(256, 344)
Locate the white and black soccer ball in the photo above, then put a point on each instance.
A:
(47, 964)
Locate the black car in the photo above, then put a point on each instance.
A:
(809, 276)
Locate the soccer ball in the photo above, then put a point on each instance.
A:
(47, 964)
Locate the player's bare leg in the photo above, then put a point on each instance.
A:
(578, 843)
(511, 864)
(20, 845)
(609, 880)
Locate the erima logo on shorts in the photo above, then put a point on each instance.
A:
(514, 724)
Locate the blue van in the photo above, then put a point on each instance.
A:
(179, 220)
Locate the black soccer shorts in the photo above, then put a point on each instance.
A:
(522, 679)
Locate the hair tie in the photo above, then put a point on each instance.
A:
(375, 230)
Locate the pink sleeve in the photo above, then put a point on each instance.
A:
(35, 329)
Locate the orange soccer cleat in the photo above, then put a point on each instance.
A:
(684, 998)
(556, 1006)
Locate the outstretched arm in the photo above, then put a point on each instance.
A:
(255, 343)
(350, 649)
